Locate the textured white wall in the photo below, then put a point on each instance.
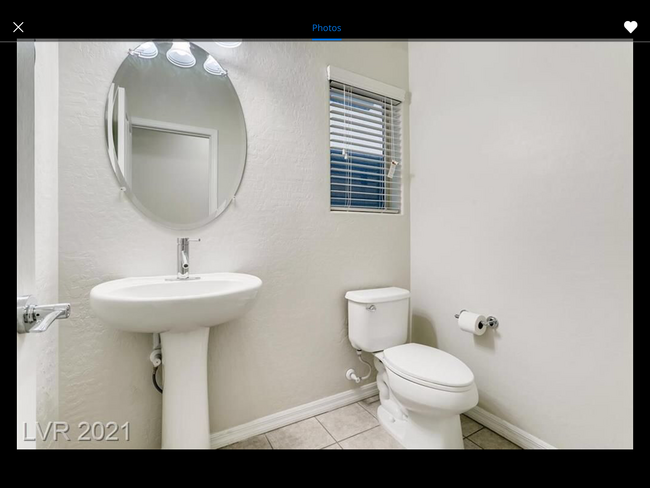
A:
(521, 193)
(292, 348)
(37, 353)
(27, 347)
(46, 154)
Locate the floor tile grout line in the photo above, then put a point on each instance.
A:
(498, 435)
(328, 432)
(349, 437)
(314, 417)
(337, 442)
(479, 430)
(359, 403)
(292, 423)
(269, 441)
(297, 422)
(470, 441)
(359, 433)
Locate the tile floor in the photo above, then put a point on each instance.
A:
(356, 427)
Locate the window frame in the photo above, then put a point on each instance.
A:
(362, 86)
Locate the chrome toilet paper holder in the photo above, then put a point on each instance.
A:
(490, 321)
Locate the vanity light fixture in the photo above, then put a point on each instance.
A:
(147, 50)
(213, 67)
(228, 44)
(180, 55)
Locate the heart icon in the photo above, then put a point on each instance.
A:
(630, 26)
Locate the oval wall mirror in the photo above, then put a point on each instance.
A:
(176, 134)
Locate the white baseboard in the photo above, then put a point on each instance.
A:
(286, 417)
(505, 429)
(275, 421)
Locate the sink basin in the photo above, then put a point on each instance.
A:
(182, 312)
(153, 304)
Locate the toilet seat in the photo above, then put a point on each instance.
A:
(428, 366)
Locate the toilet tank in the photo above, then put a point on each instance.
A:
(378, 318)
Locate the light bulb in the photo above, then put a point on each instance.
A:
(213, 67)
(148, 50)
(181, 55)
(228, 44)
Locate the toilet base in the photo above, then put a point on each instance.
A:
(423, 432)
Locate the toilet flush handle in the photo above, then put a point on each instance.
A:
(371, 308)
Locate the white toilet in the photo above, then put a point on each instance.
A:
(422, 390)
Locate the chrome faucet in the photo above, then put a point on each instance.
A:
(38, 318)
(183, 258)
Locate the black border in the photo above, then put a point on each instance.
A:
(429, 24)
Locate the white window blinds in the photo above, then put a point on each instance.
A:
(365, 150)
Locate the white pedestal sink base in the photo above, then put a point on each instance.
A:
(185, 417)
(182, 311)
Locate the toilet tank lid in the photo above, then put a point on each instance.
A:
(378, 295)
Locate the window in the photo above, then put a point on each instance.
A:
(365, 144)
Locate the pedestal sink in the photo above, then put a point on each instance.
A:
(182, 311)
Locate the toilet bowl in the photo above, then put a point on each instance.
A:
(422, 390)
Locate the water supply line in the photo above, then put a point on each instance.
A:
(156, 359)
(352, 375)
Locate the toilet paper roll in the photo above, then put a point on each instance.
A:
(472, 322)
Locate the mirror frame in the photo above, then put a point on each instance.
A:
(112, 155)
